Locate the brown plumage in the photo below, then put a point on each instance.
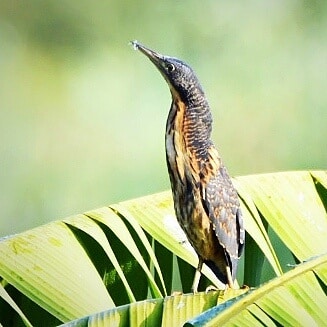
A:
(205, 201)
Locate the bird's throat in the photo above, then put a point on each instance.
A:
(175, 142)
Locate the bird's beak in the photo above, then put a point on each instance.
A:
(158, 60)
(155, 57)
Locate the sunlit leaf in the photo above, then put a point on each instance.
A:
(91, 228)
(296, 298)
(292, 207)
(155, 214)
(115, 223)
(254, 226)
(126, 252)
(171, 311)
(48, 265)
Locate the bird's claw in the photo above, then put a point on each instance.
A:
(211, 288)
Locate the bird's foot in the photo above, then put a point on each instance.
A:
(211, 288)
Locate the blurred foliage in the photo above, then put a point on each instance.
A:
(83, 116)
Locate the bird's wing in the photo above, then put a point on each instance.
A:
(220, 200)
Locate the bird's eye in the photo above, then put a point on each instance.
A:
(170, 68)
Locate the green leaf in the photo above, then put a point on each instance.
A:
(292, 207)
(126, 253)
(256, 229)
(117, 226)
(4, 295)
(155, 214)
(94, 230)
(171, 311)
(142, 236)
(296, 298)
(48, 265)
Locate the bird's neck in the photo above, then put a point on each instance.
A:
(188, 131)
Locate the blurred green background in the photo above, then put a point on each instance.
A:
(83, 115)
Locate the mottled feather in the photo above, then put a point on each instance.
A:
(221, 202)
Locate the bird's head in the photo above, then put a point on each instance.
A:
(180, 77)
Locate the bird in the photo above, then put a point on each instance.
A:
(206, 203)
